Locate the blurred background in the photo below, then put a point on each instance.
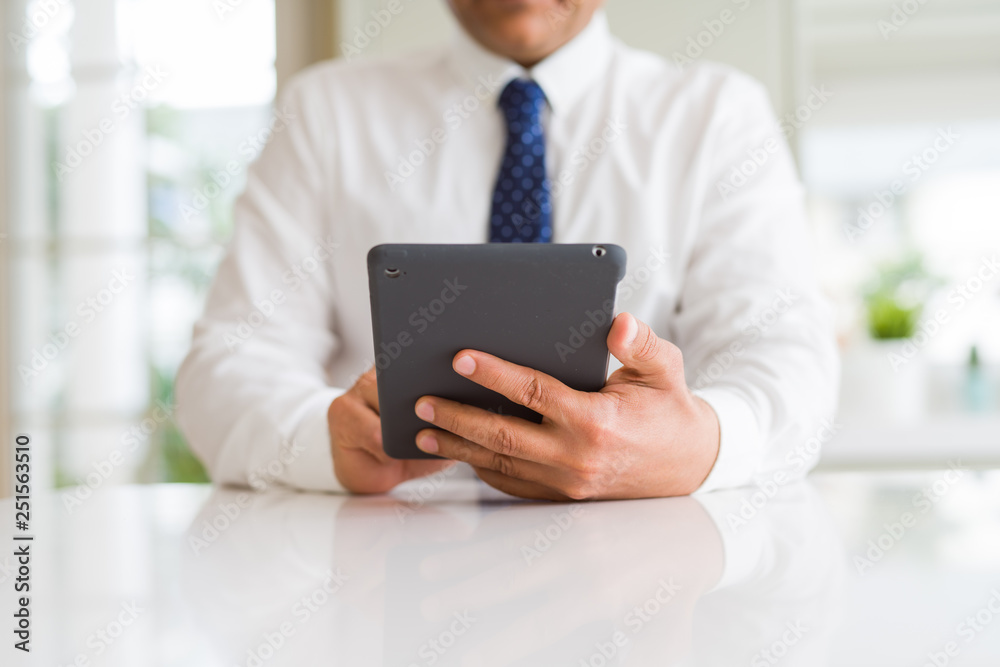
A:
(128, 126)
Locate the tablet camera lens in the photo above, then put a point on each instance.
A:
(600, 251)
(392, 273)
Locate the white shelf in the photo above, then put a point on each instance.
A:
(972, 439)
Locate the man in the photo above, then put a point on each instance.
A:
(728, 363)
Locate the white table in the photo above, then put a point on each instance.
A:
(456, 574)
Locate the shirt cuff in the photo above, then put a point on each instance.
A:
(739, 441)
(742, 543)
(311, 467)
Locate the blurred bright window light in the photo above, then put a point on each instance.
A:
(45, 31)
(949, 211)
(213, 57)
(854, 161)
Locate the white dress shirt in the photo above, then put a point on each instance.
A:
(406, 150)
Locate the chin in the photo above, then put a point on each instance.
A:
(524, 30)
(521, 35)
(527, 34)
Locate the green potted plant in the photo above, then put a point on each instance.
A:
(889, 374)
(894, 299)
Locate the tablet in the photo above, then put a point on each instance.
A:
(544, 306)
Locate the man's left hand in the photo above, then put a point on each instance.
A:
(643, 435)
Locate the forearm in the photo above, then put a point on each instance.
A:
(775, 393)
(256, 416)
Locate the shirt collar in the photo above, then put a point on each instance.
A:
(564, 76)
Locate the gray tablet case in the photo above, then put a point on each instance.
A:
(545, 306)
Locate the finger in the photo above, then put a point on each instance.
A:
(367, 387)
(509, 436)
(520, 487)
(644, 354)
(361, 429)
(456, 448)
(358, 434)
(525, 386)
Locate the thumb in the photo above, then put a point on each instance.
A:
(643, 353)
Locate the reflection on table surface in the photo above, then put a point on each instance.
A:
(450, 572)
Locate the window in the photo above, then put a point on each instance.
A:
(902, 167)
(121, 120)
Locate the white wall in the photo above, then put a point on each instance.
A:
(757, 39)
(940, 62)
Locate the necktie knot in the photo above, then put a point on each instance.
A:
(522, 101)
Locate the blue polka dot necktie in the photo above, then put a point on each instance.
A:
(522, 203)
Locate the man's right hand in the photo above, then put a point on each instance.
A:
(360, 462)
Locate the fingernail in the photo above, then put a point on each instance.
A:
(632, 331)
(465, 365)
(428, 443)
(425, 411)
